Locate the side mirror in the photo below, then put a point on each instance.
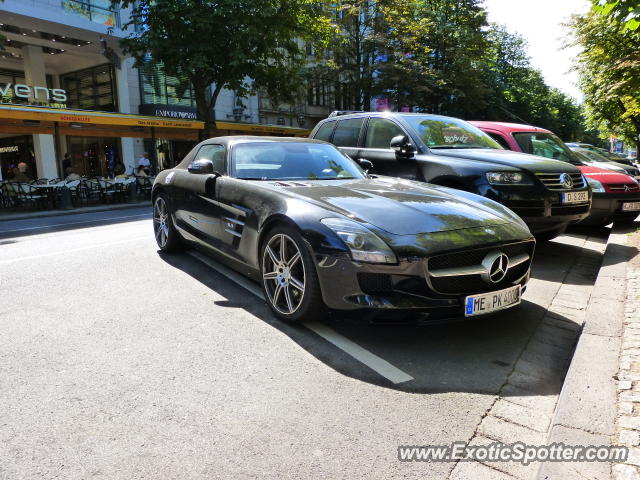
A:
(402, 146)
(201, 166)
(366, 165)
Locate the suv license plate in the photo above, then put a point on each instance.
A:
(491, 302)
(575, 197)
(631, 206)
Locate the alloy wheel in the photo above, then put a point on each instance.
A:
(283, 274)
(161, 222)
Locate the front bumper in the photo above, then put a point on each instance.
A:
(349, 285)
(540, 208)
(607, 207)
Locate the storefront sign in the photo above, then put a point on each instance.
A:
(39, 94)
(13, 148)
(169, 111)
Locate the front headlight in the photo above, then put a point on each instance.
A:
(364, 245)
(595, 185)
(507, 178)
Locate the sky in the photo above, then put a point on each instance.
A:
(540, 22)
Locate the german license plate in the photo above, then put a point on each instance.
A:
(491, 302)
(631, 206)
(575, 197)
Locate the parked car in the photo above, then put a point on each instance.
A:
(318, 233)
(596, 160)
(547, 194)
(616, 196)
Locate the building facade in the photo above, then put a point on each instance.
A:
(66, 88)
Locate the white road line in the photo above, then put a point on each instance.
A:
(227, 272)
(372, 361)
(43, 227)
(375, 363)
(88, 247)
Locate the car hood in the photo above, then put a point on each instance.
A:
(531, 163)
(604, 176)
(611, 166)
(399, 207)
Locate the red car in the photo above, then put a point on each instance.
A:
(616, 196)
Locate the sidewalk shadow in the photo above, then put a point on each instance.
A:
(474, 356)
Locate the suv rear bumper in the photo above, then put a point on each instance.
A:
(540, 208)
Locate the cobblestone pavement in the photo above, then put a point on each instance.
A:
(628, 424)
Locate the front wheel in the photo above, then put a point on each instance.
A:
(550, 234)
(289, 278)
(626, 218)
(167, 237)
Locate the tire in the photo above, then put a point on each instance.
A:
(165, 233)
(550, 235)
(626, 219)
(291, 287)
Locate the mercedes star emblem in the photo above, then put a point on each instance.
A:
(566, 180)
(496, 265)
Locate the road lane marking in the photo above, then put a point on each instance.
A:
(235, 277)
(375, 363)
(379, 365)
(43, 227)
(72, 250)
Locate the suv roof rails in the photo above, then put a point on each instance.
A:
(337, 113)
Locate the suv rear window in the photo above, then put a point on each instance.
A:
(324, 132)
(347, 132)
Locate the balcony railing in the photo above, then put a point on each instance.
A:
(91, 10)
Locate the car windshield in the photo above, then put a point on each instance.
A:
(449, 133)
(292, 161)
(546, 145)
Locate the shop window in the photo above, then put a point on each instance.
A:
(91, 89)
(159, 88)
(97, 11)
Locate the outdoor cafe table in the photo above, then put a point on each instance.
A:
(50, 190)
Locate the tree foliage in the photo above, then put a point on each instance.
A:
(236, 44)
(623, 11)
(609, 68)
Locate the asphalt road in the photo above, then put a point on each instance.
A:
(120, 362)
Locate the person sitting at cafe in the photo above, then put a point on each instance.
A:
(119, 168)
(19, 176)
(141, 172)
(71, 176)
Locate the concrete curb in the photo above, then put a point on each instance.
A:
(586, 410)
(73, 211)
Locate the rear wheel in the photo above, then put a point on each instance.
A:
(289, 278)
(167, 237)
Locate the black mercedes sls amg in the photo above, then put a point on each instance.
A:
(319, 233)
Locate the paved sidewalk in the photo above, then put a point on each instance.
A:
(628, 419)
(73, 211)
(525, 406)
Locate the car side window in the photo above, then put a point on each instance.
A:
(380, 132)
(347, 132)
(215, 153)
(500, 139)
(324, 132)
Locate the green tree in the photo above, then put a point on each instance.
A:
(624, 11)
(241, 45)
(609, 68)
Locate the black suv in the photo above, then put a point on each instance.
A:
(547, 194)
